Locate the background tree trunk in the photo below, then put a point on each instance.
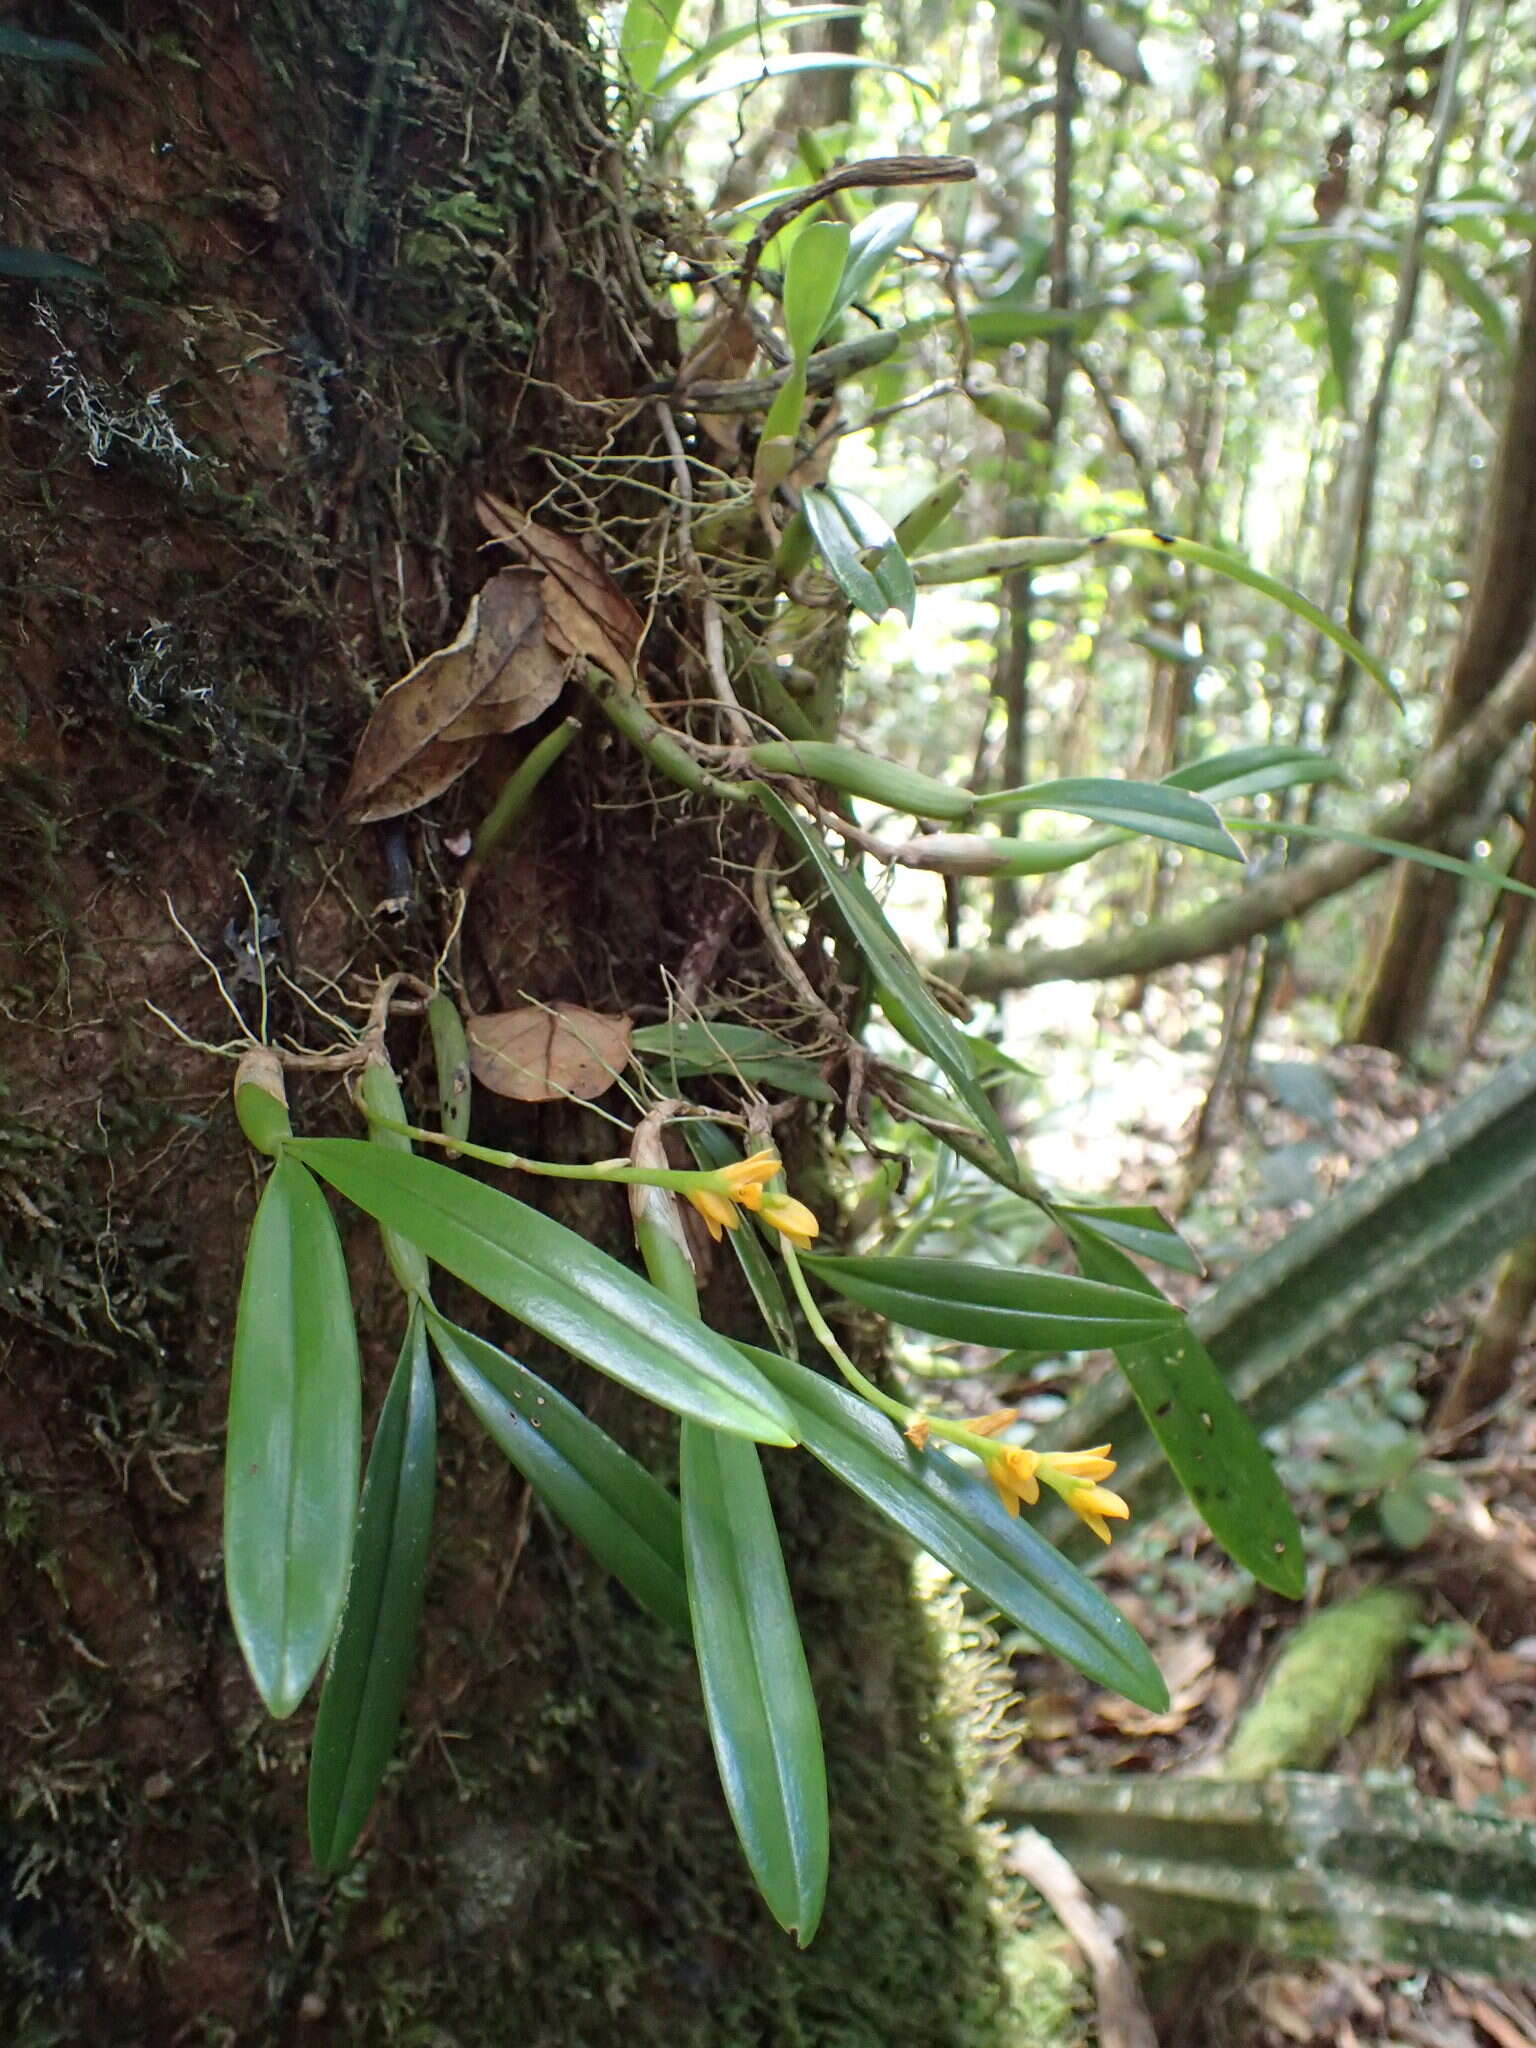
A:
(1500, 614)
(358, 261)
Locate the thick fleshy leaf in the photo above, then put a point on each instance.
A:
(1254, 771)
(1153, 808)
(711, 1147)
(611, 1504)
(556, 1282)
(957, 1517)
(1013, 1307)
(757, 1687)
(813, 271)
(744, 1051)
(873, 243)
(450, 1053)
(904, 995)
(861, 551)
(1205, 1436)
(370, 1666)
(295, 1440)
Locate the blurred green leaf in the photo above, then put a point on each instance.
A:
(873, 243)
(1012, 1307)
(1135, 1227)
(757, 1687)
(957, 1517)
(812, 274)
(450, 1054)
(646, 30)
(370, 1666)
(294, 1444)
(743, 1050)
(611, 1504)
(1254, 771)
(554, 1281)
(672, 110)
(728, 38)
(41, 265)
(20, 43)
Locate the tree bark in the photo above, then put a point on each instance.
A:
(1499, 618)
(358, 261)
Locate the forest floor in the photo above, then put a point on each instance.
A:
(1457, 1720)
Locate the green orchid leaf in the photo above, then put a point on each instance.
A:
(1207, 1439)
(676, 106)
(295, 1440)
(742, 1051)
(861, 551)
(646, 30)
(873, 243)
(557, 1283)
(904, 995)
(1484, 873)
(1013, 1307)
(370, 1666)
(1154, 809)
(757, 1687)
(812, 273)
(450, 1054)
(728, 38)
(956, 1516)
(1134, 1227)
(1254, 771)
(611, 1504)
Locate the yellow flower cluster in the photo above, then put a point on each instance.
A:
(744, 1183)
(1018, 1474)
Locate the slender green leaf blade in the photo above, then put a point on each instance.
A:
(1156, 809)
(744, 80)
(1207, 1439)
(728, 38)
(743, 1051)
(42, 265)
(1485, 873)
(294, 1444)
(849, 533)
(611, 1504)
(757, 1687)
(554, 1281)
(957, 1517)
(1254, 771)
(1013, 1307)
(906, 1000)
(370, 1666)
(22, 44)
(1221, 563)
(1135, 1227)
(812, 274)
(450, 1055)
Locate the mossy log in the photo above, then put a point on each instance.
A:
(1320, 1685)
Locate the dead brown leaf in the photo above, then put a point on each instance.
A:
(725, 350)
(585, 611)
(538, 1054)
(494, 676)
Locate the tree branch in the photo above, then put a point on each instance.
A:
(1434, 796)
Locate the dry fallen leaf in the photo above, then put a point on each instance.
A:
(585, 612)
(427, 729)
(725, 350)
(541, 1053)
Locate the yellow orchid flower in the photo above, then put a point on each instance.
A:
(1075, 1476)
(1012, 1470)
(790, 1218)
(741, 1182)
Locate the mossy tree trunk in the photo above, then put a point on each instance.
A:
(358, 261)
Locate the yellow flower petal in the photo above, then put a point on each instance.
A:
(1092, 1503)
(1011, 1470)
(790, 1218)
(717, 1210)
(743, 1175)
(1093, 1464)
